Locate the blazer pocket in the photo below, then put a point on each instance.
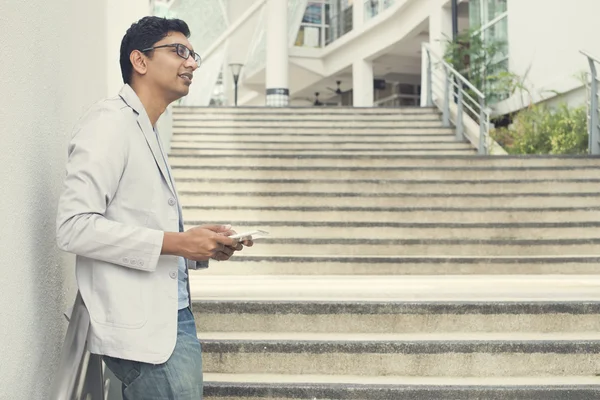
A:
(119, 298)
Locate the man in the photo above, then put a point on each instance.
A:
(120, 214)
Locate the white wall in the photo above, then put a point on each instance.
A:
(54, 67)
(545, 37)
(120, 16)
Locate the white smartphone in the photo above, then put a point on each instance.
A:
(250, 235)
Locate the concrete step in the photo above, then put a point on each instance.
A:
(472, 246)
(257, 215)
(348, 387)
(188, 133)
(416, 231)
(201, 141)
(460, 149)
(285, 118)
(212, 198)
(367, 149)
(316, 146)
(470, 164)
(359, 317)
(195, 168)
(431, 355)
(245, 264)
(413, 149)
(422, 288)
(337, 134)
(308, 123)
(284, 112)
(307, 186)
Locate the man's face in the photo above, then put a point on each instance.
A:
(169, 72)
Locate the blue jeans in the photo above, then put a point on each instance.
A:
(179, 378)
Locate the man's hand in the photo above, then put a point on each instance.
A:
(227, 231)
(203, 242)
(207, 241)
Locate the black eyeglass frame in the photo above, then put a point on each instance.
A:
(179, 52)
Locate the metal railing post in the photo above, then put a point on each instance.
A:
(94, 384)
(594, 120)
(446, 113)
(79, 374)
(429, 81)
(454, 92)
(459, 115)
(482, 150)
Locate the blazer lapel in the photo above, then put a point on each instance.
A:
(130, 97)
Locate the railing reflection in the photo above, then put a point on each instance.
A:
(376, 7)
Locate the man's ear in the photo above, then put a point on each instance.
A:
(139, 62)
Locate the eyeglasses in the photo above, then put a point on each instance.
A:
(182, 51)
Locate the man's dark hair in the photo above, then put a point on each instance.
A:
(144, 34)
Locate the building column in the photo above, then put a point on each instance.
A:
(440, 31)
(358, 13)
(277, 54)
(362, 83)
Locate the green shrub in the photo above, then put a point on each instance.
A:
(540, 130)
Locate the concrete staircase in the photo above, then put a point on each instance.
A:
(400, 264)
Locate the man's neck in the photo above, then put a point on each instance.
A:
(154, 103)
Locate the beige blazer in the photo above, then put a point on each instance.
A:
(116, 203)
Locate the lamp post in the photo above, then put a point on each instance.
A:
(235, 69)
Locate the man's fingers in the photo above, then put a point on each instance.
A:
(248, 243)
(238, 246)
(217, 228)
(221, 256)
(226, 241)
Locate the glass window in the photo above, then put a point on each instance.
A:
(495, 8)
(475, 14)
(374, 7)
(309, 36)
(324, 21)
(371, 8)
(482, 12)
(491, 18)
(314, 13)
(339, 18)
(498, 34)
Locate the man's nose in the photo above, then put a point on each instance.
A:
(190, 62)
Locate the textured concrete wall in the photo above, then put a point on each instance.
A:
(53, 67)
(120, 15)
(545, 49)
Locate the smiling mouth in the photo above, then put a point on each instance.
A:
(186, 77)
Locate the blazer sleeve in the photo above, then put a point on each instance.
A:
(97, 157)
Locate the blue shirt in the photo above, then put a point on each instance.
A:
(183, 299)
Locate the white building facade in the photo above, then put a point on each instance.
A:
(368, 52)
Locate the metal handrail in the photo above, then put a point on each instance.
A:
(588, 55)
(454, 85)
(454, 71)
(593, 111)
(80, 374)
